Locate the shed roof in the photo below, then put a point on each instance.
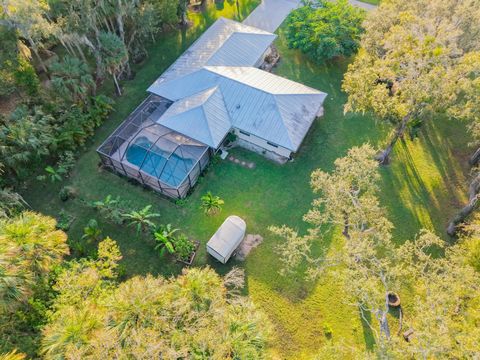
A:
(227, 238)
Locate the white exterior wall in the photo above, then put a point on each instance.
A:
(259, 145)
(262, 58)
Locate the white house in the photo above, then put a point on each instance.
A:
(213, 89)
(216, 87)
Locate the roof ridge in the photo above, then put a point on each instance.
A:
(236, 80)
(217, 88)
(283, 121)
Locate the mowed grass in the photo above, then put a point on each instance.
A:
(423, 187)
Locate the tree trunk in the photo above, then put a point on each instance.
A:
(80, 51)
(345, 227)
(40, 61)
(67, 46)
(384, 328)
(98, 58)
(474, 158)
(473, 197)
(117, 86)
(384, 156)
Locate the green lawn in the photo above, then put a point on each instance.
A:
(422, 188)
(373, 2)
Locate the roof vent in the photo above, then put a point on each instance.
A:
(238, 106)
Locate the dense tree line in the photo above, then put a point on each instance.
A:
(54, 308)
(93, 39)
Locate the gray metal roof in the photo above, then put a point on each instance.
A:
(225, 42)
(202, 117)
(273, 108)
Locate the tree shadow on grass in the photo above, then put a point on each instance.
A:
(421, 186)
(368, 336)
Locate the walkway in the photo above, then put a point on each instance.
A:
(270, 14)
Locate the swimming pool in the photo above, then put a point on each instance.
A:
(156, 162)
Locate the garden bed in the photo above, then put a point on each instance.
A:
(190, 260)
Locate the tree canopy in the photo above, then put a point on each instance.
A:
(439, 294)
(325, 29)
(418, 60)
(193, 315)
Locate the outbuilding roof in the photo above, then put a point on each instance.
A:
(227, 238)
(268, 106)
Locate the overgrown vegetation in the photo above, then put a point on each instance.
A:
(421, 189)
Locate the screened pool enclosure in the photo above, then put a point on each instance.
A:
(152, 154)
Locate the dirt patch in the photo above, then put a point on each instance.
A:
(9, 103)
(250, 242)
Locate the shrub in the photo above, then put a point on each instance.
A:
(67, 192)
(64, 220)
(211, 204)
(183, 247)
(26, 78)
(110, 209)
(327, 330)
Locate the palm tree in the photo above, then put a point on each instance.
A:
(25, 136)
(14, 287)
(73, 79)
(114, 56)
(141, 218)
(13, 355)
(164, 236)
(211, 204)
(39, 245)
(91, 232)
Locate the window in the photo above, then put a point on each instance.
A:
(269, 143)
(244, 133)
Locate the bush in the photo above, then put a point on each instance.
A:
(64, 220)
(26, 78)
(327, 330)
(67, 192)
(183, 247)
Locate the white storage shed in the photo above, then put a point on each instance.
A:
(227, 238)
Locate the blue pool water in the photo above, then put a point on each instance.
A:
(171, 171)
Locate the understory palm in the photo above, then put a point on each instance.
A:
(211, 204)
(142, 219)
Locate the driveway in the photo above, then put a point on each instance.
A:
(270, 14)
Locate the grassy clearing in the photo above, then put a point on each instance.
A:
(422, 188)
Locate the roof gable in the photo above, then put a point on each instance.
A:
(202, 117)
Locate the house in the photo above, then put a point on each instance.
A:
(215, 88)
